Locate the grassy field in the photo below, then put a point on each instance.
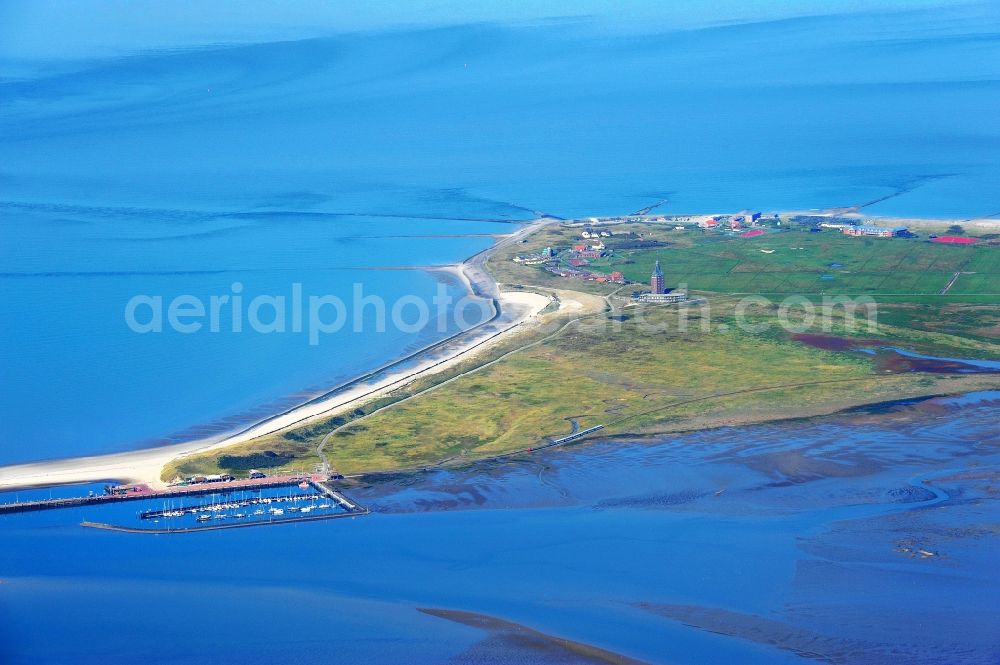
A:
(799, 262)
(632, 382)
(643, 374)
(634, 377)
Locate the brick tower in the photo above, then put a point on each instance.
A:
(656, 279)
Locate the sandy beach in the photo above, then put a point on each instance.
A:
(516, 310)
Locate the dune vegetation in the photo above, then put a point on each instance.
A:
(634, 371)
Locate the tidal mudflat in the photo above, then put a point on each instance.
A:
(861, 537)
(864, 537)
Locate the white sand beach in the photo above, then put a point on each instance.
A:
(517, 309)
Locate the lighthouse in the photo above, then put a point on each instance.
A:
(656, 280)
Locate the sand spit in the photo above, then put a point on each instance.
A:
(512, 311)
(511, 642)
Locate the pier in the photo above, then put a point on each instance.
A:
(326, 490)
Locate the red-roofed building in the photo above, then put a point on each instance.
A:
(617, 277)
(955, 240)
(579, 248)
(754, 233)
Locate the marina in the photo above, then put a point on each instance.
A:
(232, 503)
(219, 508)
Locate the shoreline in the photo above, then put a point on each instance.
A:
(512, 310)
(145, 465)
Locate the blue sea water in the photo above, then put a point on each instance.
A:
(173, 148)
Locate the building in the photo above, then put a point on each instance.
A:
(875, 231)
(753, 234)
(661, 298)
(656, 280)
(617, 277)
(658, 295)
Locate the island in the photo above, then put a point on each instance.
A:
(631, 327)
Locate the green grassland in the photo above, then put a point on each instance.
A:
(632, 381)
(800, 262)
(636, 377)
(642, 374)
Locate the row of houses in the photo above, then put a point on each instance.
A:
(536, 259)
(734, 222)
(579, 273)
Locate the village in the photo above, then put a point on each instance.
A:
(597, 250)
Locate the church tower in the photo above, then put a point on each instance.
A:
(656, 279)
